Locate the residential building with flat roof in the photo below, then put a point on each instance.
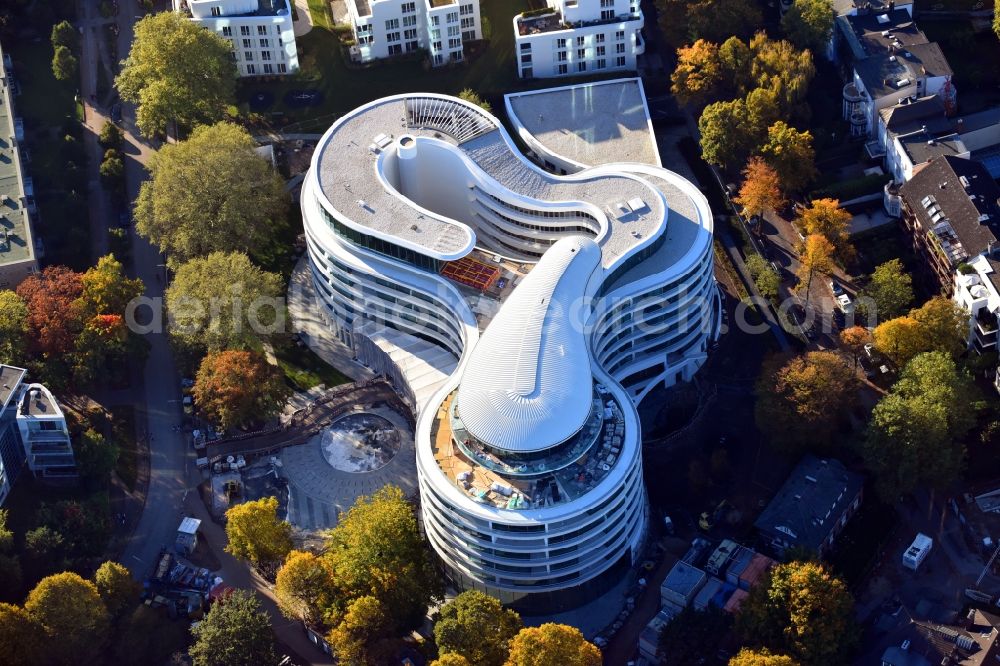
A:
(523, 315)
(811, 508)
(11, 452)
(574, 37)
(387, 28)
(17, 201)
(260, 31)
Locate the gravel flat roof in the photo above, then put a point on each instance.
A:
(346, 167)
(592, 123)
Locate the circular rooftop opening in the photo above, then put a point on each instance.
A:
(406, 141)
(360, 443)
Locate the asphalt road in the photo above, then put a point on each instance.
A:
(170, 459)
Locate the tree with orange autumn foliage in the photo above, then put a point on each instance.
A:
(53, 312)
(698, 74)
(761, 189)
(238, 387)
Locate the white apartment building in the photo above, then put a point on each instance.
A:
(578, 36)
(260, 31)
(526, 314)
(386, 28)
(48, 450)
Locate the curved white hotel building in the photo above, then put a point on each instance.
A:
(547, 305)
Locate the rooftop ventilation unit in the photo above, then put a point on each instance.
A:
(902, 83)
(964, 181)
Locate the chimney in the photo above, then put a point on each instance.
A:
(959, 125)
(892, 5)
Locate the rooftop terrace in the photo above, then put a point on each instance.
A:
(489, 480)
(601, 123)
(552, 21)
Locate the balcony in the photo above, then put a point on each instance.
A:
(851, 94)
(550, 20)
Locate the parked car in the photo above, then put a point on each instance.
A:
(836, 288)
(116, 113)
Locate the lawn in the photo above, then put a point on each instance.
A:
(303, 369)
(123, 429)
(490, 71)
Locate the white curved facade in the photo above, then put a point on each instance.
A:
(557, 303)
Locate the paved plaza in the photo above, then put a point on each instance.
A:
(318, 492)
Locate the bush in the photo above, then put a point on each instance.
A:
(852, 189)
(111, 135)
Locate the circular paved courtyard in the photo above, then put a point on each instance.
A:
(358, 454)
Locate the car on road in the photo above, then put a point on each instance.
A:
(116, 113)
(845, 304)
(836, 288)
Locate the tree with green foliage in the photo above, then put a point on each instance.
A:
(890, 289)
(716, 20)
(790, 153)
(748, 657)
(996, 18)
(698, 76)
(478, 627)
(44, 545)
(803, 401)
(147, 635)
(809, 24)
(734, 59)
(235, 632)
(10, 565)
(916, 431)
(376, 549)
(73, 615)
(64, 34)
(223, 301)
(764, 276)
(177, 71)
(117, 588)
(64, 64)
(472, 97)
(256, 534)
(552, 645)
(726, 134)
(111, 135)
(112, 168)
(235, 388)
(683, 640)
(95, 457)
(22, 637)
(803, 610)
(779, 66)
(188, 214)
(13, 328)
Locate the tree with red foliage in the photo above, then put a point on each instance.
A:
(238, 387)
(53, 309)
